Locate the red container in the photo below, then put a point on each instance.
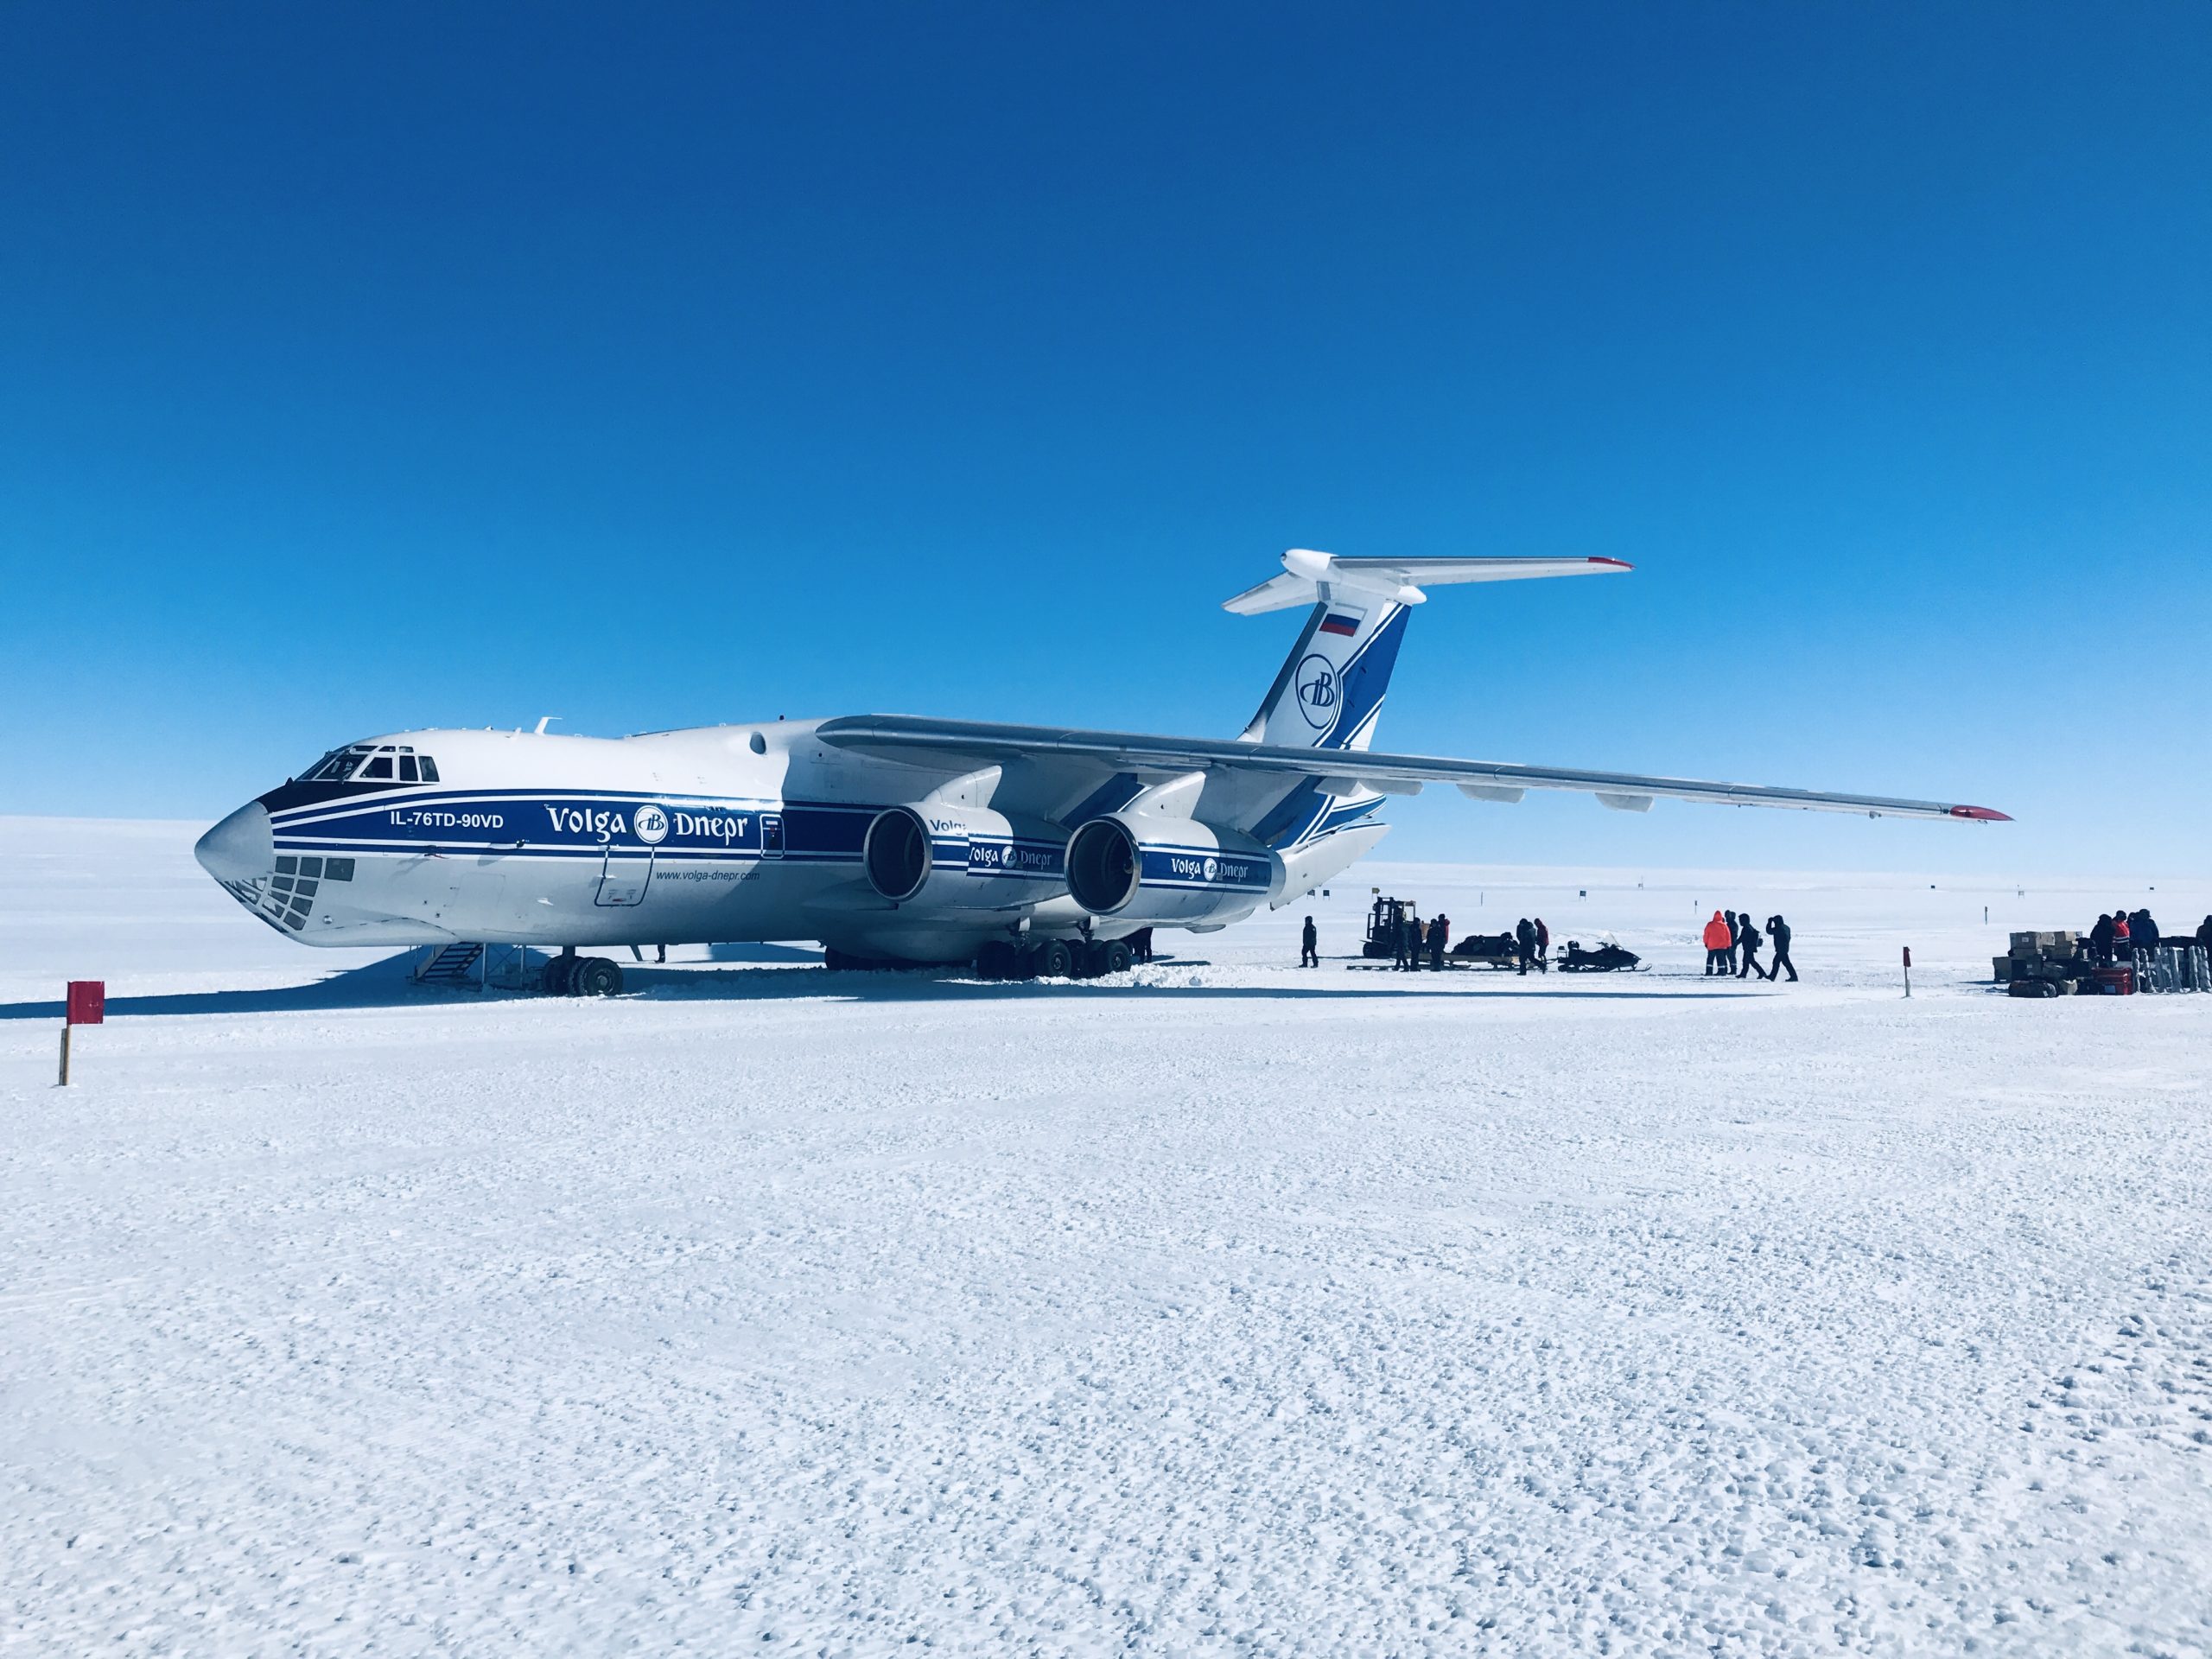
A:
(87, 1001)
(2116, 981)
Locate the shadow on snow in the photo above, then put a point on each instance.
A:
(389, 983)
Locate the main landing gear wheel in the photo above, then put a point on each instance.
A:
(598, 976)
(997, 960)
(1118, 957)
(560, 975)
(1054, 960)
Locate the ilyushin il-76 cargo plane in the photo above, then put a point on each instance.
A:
(889, 839)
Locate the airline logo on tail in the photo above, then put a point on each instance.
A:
(1317, 691)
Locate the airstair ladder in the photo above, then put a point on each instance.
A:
(451, 964)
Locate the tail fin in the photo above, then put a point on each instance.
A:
(1329, 692)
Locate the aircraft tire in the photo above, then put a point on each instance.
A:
(1118, 957)
(1055, 960)
(997, 960)
(559, 979)
(836, 960)
(598, 976)
(1090, 958)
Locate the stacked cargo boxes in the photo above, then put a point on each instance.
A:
(2043, 964)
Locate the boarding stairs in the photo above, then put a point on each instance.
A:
(454, 965)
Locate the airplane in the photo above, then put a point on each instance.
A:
(892, 840)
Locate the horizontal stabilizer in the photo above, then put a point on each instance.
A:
(1307, 573)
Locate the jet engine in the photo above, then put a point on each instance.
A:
(1145, 868)
(939, 855)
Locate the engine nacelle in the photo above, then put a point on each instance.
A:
(1141, 868)
(936, 855)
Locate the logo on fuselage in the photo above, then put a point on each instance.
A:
(1317, 690)
(650, 824)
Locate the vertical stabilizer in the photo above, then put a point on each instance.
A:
(1329, 689)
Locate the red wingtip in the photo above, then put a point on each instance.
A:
(1981, 814)
(1622, 564)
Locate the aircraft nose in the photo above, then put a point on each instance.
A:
(241, 847)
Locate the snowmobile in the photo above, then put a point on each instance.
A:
(1607, 958)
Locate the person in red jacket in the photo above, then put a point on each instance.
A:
(1717, 940)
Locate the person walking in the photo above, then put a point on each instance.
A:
(1440, 934)
(1717, 938)
(1308, 955)
(1416, 941)
(1543, 947)
(1735, 939)
(1777, 935)
(1398, 943)
(1747, 940)
(1524, 940)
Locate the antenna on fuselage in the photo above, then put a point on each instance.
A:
(543, 720)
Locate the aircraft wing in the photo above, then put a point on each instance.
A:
(955, 743)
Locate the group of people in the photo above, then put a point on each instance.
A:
(1731, 947)
(1532, 944)
(1417, 939)
(2131, 937)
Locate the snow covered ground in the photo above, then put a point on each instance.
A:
(1235, 1309)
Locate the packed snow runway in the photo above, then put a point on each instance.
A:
(1232, 1308)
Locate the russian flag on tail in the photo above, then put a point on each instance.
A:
(1344, 622)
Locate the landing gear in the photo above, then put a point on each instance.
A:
(598, 976)
(1052, 959)
(570, 975)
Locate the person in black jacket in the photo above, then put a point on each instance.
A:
(1747, 941)
(2204, 935)
(1439, 932)
(1308, 956)
(1735, 936)
(1401, 940)
(2145, 933)
(1778, 933)
(2100, 940)
(1524, 938)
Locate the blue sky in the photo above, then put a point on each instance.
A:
(372, 366)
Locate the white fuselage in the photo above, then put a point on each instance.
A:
(719, 834)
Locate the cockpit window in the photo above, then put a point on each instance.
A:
(372, 763)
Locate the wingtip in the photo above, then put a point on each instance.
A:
(1617, 564)
(1981, 814)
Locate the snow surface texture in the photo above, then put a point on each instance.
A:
(1231, 1309)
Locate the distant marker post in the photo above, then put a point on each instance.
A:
(86, 1005)
(1907, 970)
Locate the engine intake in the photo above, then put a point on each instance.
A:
(1144, 869)
(933, 855)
